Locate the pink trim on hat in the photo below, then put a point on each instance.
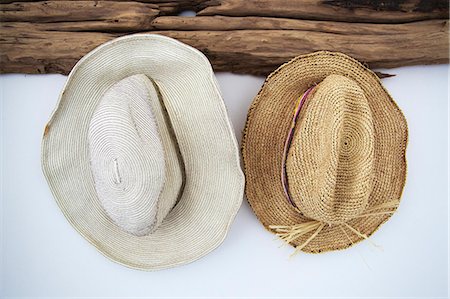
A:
(288, 142)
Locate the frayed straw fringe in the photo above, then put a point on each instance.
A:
(351, 242)
(289, 233)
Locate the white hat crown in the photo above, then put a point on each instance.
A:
(127, 156)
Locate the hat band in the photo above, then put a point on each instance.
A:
(288, 142)
(291, 233)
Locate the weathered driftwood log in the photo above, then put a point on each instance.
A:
(244, 36)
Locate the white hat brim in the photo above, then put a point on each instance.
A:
(214, 183)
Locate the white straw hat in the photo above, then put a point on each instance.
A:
(140, 155)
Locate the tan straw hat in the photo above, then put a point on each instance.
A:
(324, 152)
(140, 155)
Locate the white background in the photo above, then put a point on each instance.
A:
(42, 255)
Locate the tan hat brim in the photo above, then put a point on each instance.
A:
(267, 126)
(214, 181)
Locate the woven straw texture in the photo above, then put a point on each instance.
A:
(347, 156)
(138, 151)
(128, 158)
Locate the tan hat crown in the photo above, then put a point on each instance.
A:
(330, 161)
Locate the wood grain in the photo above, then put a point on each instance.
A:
(241, 36)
